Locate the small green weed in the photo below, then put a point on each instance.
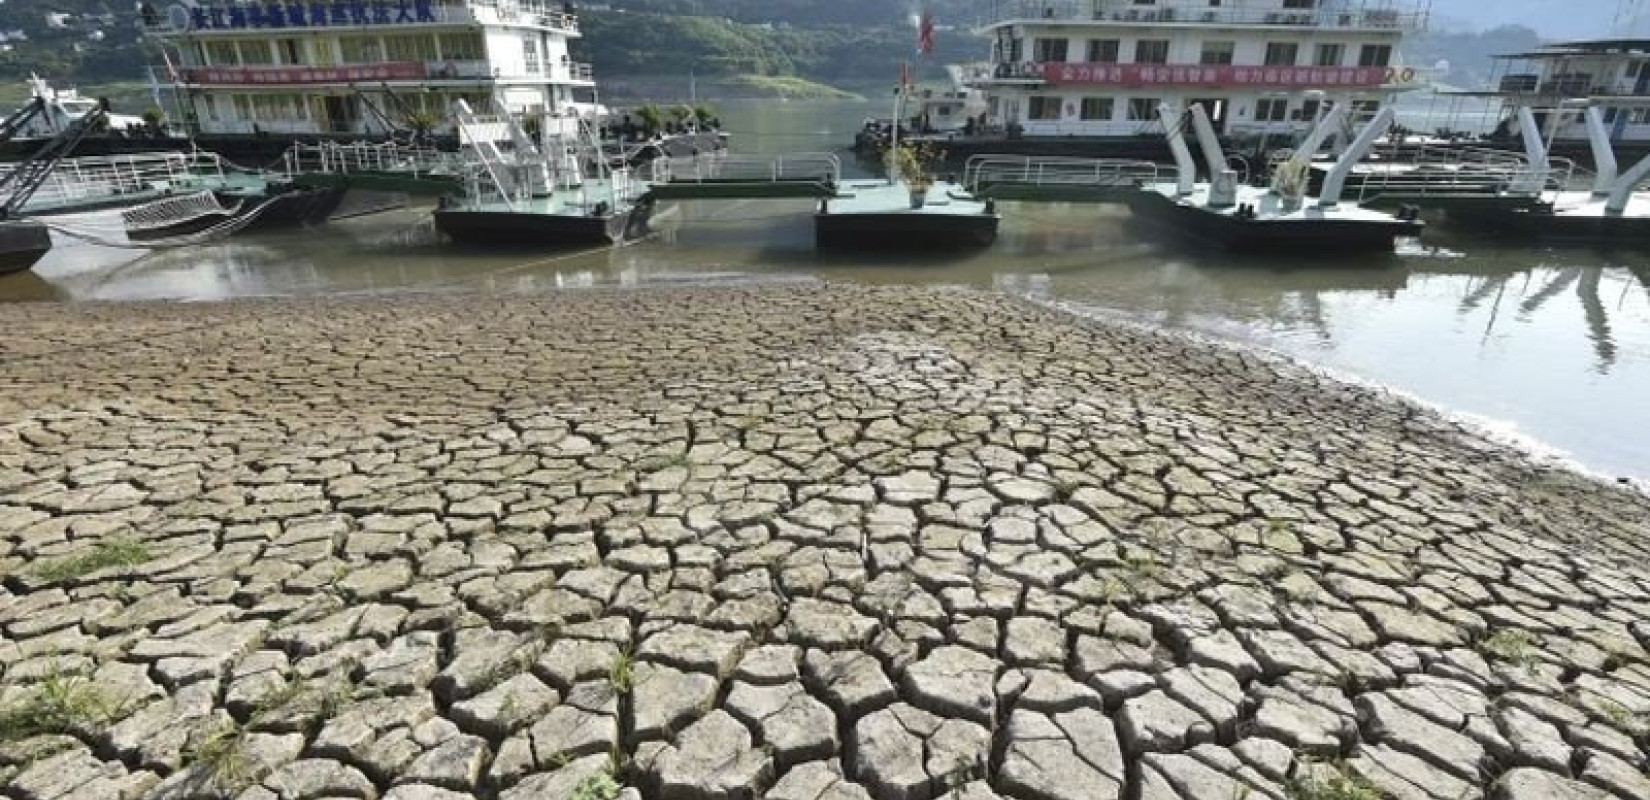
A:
(1343, 784)
(599, 786)
(103, 555)
(1516, 647)
(220, 759)
(622, 674)
(58, 704)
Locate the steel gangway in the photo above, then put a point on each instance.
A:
(727, 175)
(1443, 176)
(382, 166)
(1056, 179)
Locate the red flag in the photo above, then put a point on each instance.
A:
(925, 33)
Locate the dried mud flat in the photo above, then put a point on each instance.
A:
(803, 543)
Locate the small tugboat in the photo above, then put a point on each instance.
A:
(910, 209)
(528, 198)
(1280, 218)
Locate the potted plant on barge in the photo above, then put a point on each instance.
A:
(911, 164)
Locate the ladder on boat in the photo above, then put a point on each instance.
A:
(1055, 179)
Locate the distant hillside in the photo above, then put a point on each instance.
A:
(628, 45)
(1469, 54)
(1553, 20)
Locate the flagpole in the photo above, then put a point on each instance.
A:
(893, 141)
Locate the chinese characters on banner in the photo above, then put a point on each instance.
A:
(397, 70)
(312, 14)
(1221, 75)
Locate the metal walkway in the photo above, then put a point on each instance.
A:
(1055, 179)
(723, 175)
(1457, 177)
(388, 167)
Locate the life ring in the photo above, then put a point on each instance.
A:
(1408, 75)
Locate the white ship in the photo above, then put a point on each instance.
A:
(62, 107)
(1094, 70)
(368, 67)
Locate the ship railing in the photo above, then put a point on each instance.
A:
(1477, 173)
(726, 167)
(1380, 15)
(985, 171)
(358, 157)
(91, 178)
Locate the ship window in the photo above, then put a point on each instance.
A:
(1300, 3)
(1143, 109)
(1048, 50)
(1308, 111)
(1271, 110)
(415, 47)
(1103, 51)
(361, 49)
(1375, 55)
(462, 47)
(1610, 115)
(222, 54)
(1097, 108)
(256, 53)
(530, 53)
(1151, 51)
(1044, 107)
(289, 51)
(1330, 55)
(1217, 52)
(1282, 54)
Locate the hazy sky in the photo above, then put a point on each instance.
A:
(1577, 18)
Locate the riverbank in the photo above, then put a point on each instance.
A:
(926, 538)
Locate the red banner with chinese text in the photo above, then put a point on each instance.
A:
(1213, 75)
(279, 76)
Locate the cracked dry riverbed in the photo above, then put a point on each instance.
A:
(803, 543)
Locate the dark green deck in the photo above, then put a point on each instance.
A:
(737, 190)
(431, 185)
(1055, 193)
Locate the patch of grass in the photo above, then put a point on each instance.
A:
(662, 461)
(621, 675)
(599, 786)
(59, 704)
(1516, 647)
(1141, 567)
(1343, 784)
(103, 555)
(1616, 713)
(220, 759)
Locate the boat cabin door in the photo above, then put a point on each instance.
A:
(343, 113)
